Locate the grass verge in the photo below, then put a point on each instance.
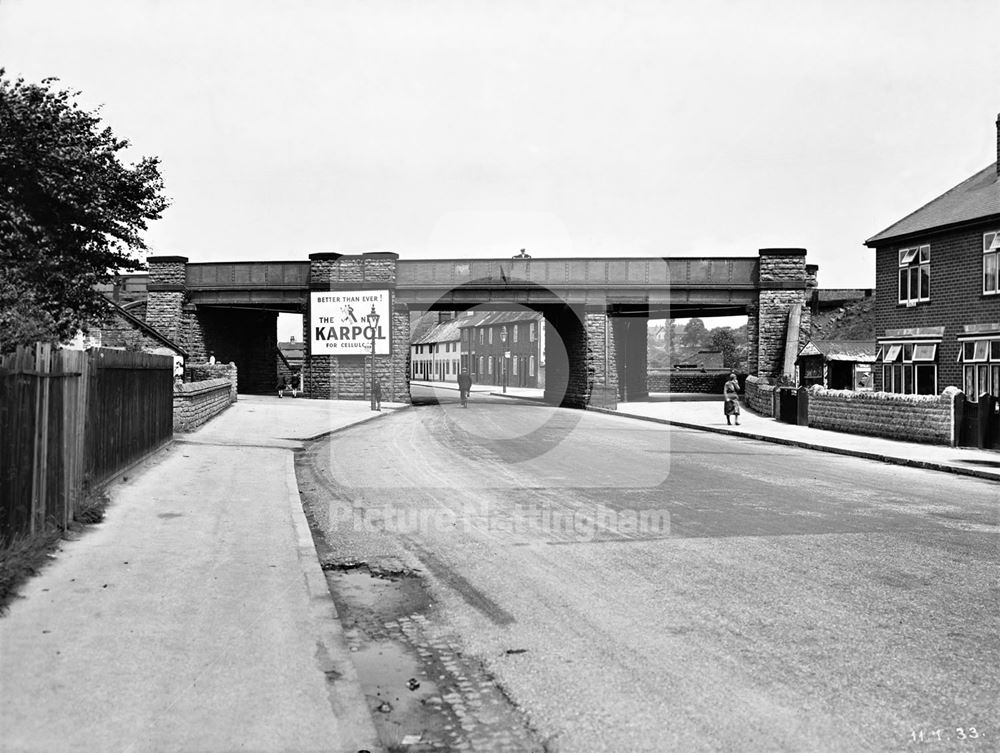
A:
(23, 556)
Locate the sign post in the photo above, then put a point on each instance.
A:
(506, 355)
(373, 318)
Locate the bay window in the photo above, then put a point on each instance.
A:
(980, 367)
(909, 368)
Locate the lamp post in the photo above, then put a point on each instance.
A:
(503, 372)
(373, 318)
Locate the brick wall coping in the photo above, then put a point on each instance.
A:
(782, 252)
(885, 397)
(166, 259)
(325, 256)
(190, 389)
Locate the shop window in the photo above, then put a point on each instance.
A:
(914, 275)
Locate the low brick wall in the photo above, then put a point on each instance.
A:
(759, 396)
(689, 381)
(197, 402)
(914, 418)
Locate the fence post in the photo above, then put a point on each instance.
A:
(39, 489)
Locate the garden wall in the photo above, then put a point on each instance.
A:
(915, 418)
(759, 396)
(198, 402)
(688, 381)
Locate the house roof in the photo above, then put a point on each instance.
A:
(861, 351)
(444, 332)
(975, 198)
(498, 317)
(293, 352)
(451, 330)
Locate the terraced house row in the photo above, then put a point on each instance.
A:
(496, 347)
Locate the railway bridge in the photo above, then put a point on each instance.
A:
(595, 311)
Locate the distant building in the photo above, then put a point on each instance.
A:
(937, 305)
(434, 356)
(291, 357)
(504, 345)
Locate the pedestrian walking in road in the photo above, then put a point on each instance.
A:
(464, 387)
(377, 394)
(730, 394)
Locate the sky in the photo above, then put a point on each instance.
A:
(474, 129)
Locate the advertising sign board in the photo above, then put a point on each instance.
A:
(343, 323)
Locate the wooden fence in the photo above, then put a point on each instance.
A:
(69, 420)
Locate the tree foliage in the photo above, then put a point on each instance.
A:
(666, 348)
(72, 213)
(724, 340)
(695, 333)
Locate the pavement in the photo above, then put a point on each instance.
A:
(196, 616)
(704, 412)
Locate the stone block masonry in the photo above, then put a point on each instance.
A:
(348, 377)
(690, 382)
(784, 280)
(759, 396)
(915, 418)
(195, 403)
(201, 372)
(165, 297)
(602, 372)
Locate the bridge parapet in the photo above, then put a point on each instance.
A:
(247, 275)
(580, 273)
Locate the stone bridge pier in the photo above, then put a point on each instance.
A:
(243, 335)
(779, 322)
(349, 377)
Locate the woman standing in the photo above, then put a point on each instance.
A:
(732, 401)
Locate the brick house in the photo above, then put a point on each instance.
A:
(500, 343)
(937, 306)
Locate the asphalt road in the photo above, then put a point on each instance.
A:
(633, 586)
